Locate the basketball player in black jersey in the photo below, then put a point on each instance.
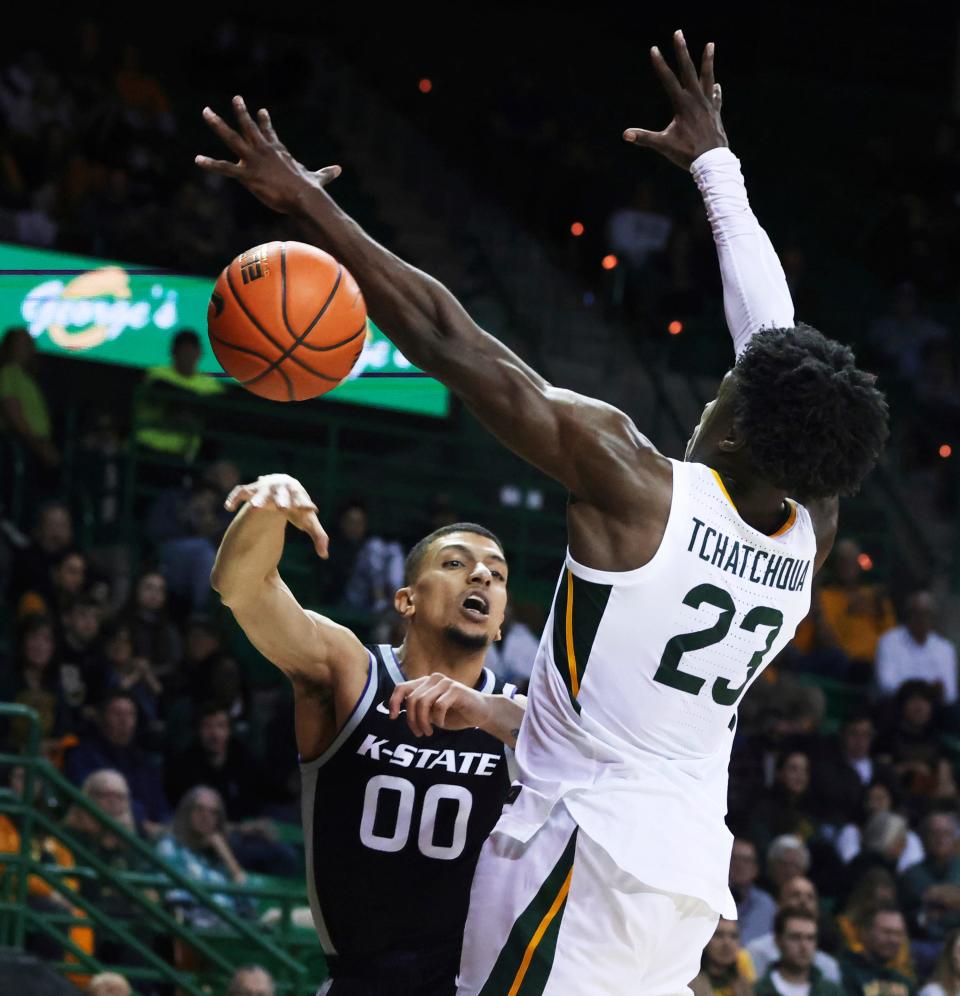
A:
(395, 807)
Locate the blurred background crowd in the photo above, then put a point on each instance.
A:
(843, 788)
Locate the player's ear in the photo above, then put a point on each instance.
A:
(403, 602)
(733, 441)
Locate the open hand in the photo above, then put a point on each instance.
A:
(438, 700)
(696, 126)
(283, 493)
(264, 166)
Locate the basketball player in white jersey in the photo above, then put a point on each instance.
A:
(607, 872)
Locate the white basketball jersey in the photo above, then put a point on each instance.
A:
(634, 694)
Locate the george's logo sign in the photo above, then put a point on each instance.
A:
(94, 307)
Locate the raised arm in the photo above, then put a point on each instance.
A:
(585, 444)
(306, 646)
(755, 290)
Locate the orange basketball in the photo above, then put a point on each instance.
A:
(287, 321)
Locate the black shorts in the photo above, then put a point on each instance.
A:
(420, 973)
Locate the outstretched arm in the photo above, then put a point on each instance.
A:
(586, 445)
(755, 291)
(306, 646)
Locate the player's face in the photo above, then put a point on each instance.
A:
(461, 589)
(715, 425)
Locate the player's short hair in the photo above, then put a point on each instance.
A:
(814, 422)
(790, 913)
(414, 561)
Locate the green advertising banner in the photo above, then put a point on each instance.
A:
(114, 313)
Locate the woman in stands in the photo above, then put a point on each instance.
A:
(197, 847)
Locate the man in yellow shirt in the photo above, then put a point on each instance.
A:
(23, 411)
(167, 422)
(847, 615)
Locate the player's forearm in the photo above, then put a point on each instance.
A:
(755, 291)
(506, 715)
(418, 311)
(249, 552)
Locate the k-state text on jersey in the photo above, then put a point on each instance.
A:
(462, 762)
(752, 563)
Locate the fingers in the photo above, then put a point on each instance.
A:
(247, 126)
(218, 166)
(670, 82)
(707, 81)
(688, 72)
(316, 532)
(717, 97)
(327, 174)
(240, 494)
(266, 126)
(639, 136)
(225, 133)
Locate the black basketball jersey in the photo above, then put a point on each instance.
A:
(393, 825)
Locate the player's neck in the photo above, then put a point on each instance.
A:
(427, 653)
(759, 505)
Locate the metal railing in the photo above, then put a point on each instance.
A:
(16, 915)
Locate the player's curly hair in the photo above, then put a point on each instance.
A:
(814, 422)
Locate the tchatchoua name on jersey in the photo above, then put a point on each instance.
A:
(461, 762)
(759, 566)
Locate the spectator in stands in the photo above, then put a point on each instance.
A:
(945, 978)
(217, 759)
(364, 571)
(80, 663)
(41, 895)
(846, 616)
(109, 984)
(843, 770)
(795, 970)
(912, 651)
(24, 415)
(878, 798)
(725, 968)
(155, 636)
(33, 682)
(186, 562)
(168, 422)
(787, 807)
(134, 675)
(68, 576)
(52, 537)
(901, 335)
(884, 840)
(114, 745)
(931, 888)
(109, 793)
(797, 894)
(755, 908)
(871, 970)
(251, 980)
(876, 888)
(197, 847)
(187, 524)
(100, 478)
(912, 746)
(638, 234)
(787, 857)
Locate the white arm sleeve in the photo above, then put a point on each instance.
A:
(755, 291)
